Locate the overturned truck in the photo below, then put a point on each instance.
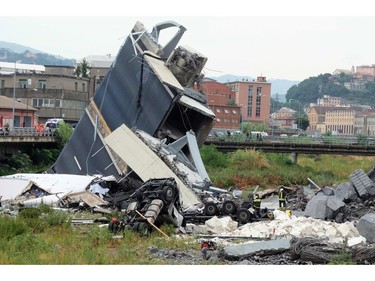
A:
(146, 121)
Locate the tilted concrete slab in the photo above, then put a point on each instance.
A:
(244, 250)
(145, 163)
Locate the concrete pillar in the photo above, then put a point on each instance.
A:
(294, 157)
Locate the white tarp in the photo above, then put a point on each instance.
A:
(56, 183)
(11, 188)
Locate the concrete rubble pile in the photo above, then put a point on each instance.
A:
(348, 201)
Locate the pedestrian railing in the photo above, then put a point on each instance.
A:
(24, 131)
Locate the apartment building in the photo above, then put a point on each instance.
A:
(221, 100)
(284, 118)
(316, 116)
(254, 98)
(54, 90)
(365, 124)
(342, 120)
(365, 72)
(329, 101)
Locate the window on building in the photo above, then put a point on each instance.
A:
(226, 110)
(259, 91)
(258, 103)
(76, 86)
(234, 111)
(22, 83)
(2, 85)
(251, 89)
(42, 84)
(218, 110)
(250, 106)
(46, 102)
(83, 87)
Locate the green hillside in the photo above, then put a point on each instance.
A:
(11, 52)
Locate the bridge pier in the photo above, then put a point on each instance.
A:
(294, 157)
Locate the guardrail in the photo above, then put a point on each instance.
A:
(25, 131)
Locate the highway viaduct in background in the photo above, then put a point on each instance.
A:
(10, 144)
(295, 148)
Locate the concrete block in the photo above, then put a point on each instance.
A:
(366, 227)
(346, 192)
(317, 207)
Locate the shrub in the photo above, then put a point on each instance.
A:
(212, 157)
(343, 258)
(29, 213)
(63, 133)
(248, 159)
(20, 160)
(57, 218)
(10, 227)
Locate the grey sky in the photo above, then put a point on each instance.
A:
(287, 47)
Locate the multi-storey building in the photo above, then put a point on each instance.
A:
(355, 85)
(55, 91)
(365, 124)
(222, 102)
(342, 120)
(254, 98)
(365, 72)
(329, 101)
(316, 116)
(284, 118)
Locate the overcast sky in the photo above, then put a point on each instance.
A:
(304, 41)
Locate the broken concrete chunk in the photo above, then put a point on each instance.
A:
(366, 227)
(244, 250)
(355, 241)
(335, 205)
(346, 192)
(317, 207)
(327, 191)
(219, 225)
(362, 183)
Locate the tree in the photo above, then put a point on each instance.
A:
(302, 120)
(63, 133)
(82, 69)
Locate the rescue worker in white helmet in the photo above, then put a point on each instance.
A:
(282, 199)
(256, 205)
